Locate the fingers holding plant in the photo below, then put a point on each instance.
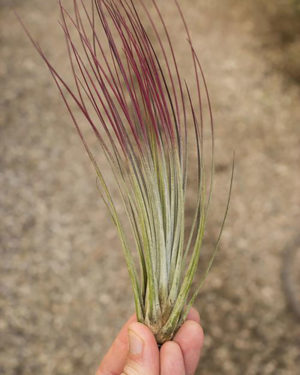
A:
(135, 351)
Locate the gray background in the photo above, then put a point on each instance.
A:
(64, 289)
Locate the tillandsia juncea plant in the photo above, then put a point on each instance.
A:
(128, 86)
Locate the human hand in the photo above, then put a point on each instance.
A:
(135, 351)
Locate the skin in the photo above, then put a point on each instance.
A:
(135, 352)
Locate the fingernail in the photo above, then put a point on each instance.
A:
(136, 343)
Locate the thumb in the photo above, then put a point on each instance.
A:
(143, 355)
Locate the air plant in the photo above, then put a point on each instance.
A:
(128, 86)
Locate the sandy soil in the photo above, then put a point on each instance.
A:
(64, 289)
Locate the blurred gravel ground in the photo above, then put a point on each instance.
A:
(64, 289)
